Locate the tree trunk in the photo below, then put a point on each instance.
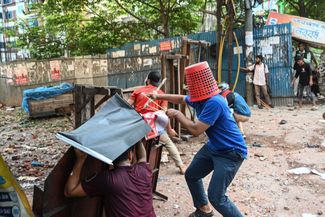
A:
(302, 9)
(164, 13)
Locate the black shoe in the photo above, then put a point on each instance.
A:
(199, 213)
(260, 107)
(271, 105)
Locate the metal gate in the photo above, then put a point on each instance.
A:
(275, 44)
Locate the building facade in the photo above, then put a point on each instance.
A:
(12, 13)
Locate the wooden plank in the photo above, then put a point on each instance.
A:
(54, 106)
(177, 91)
(163, 70)
(175, 56)
(182, 72)
(200, 43)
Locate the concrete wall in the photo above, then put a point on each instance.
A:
(20, 75)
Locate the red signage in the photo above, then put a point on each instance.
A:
(55, 74)
(55, 70)
(165, 45)
(21, 79)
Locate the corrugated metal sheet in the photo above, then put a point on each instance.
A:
(152, 48)
(275, 44)
(211, 37)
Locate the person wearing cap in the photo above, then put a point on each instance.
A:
(304, 73)
(126, 189)
(225, 150)
(235, 101)
(139, 100)
(260, 80)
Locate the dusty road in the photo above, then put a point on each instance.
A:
(262, 187)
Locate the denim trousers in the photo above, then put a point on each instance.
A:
(224, 166)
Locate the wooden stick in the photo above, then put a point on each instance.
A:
(158, 88)
(264, 104)
(151, 100)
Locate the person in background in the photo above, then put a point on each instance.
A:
(260, 80)
(315, 87)
(304, 53)
(304, 73)
(127, 189)
(138, 100)
(235, 101)
(225, 150)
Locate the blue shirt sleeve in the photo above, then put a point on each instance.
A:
(211, 112)
(187, 100)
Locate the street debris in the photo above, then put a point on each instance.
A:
(164, 157)
(272, 151)
(299, 171)
(37, 164)
(306, 170)
(283, 122)
(308, 215)
(322, 175)
(258, 145)
(312, 145)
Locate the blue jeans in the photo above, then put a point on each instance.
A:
(224, 166)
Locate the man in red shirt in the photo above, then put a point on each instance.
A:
(127, 189)
(138, 99)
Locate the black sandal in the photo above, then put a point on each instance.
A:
(199, 213)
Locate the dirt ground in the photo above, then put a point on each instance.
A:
(262, 187)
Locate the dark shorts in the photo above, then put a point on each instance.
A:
(300, 91)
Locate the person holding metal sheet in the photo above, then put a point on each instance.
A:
(225, 150)
(127, 189)
(140, 102)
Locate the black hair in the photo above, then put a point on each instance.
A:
(230, 99)
(260, 57)
(154, 78)
(297, 58)
(124, 156)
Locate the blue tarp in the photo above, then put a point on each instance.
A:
(42, 93)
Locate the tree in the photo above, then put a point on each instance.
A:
(313, 9)
(166, 17)
(84, 27)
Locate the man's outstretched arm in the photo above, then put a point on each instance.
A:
(196, 128)
(173, 98)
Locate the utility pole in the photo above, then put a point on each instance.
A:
(249, 49)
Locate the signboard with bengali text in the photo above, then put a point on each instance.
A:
(304, 29)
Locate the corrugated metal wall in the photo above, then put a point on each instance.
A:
(134, 60)
(275, 44)
(139, 53)
(211, 37)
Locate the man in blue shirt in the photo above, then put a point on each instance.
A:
(225, 150)
(236, 102)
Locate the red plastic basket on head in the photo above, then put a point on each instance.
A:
(200, 81)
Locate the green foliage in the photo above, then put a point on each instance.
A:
(314, 9)
(85, 27)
